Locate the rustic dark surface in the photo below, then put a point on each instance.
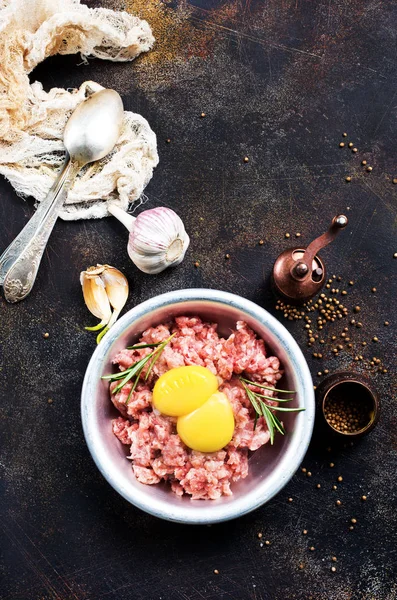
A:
(279, 83)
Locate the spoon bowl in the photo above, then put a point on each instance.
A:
(94, 127)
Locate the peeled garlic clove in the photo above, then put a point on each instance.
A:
(157, 238)
(95, 296)
(116, 286)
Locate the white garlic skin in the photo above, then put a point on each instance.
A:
(158, 240)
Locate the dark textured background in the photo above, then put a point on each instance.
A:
(279, 81)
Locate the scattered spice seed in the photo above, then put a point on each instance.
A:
(354, 521)
(344, 134)
(363, 498)
(267, 543)
(395, 255)
(301, 566)
(216, 571)
(333, 569)
(354, 150)
(340, 478)
(304, 532)
(202, 115)
(290, 499)
(197, 264)
(338, 503)
(373, 290)
(261, 242)
(308, 474)
(318, 486)
(394, 180)
(351, 527)
(333, 558)
(311, 548)
(386, 323)
(50, 400)
(342, 145)
(260, 535)
(375, 339)
(287, 235)
(348, 179)
(168, 140)
(369, 169)
(303, 470)
(227, 256)
(357, 309)
(332, 465)
(351, 144)
(297, 234)
(246, 159)
(46, 335)
(334, 487)
(363, 162)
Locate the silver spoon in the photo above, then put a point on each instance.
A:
(90, 134)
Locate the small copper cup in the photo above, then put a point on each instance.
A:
(340, 387)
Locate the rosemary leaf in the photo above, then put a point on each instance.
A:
(139, 347)
(268, 418)
(287, 409)
(266, 387)
(273, 398)
(156, 355)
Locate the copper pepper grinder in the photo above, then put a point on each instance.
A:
(299, 273)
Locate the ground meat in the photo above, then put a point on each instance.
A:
(156, 451)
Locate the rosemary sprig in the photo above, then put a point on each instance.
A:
(136, 369)
(262, 409)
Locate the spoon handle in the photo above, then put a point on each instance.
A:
(12, 252)
(20, 262)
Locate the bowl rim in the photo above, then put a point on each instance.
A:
(214, 513)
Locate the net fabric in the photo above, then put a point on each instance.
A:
(32, 120)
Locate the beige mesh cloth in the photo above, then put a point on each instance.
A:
(32, 121)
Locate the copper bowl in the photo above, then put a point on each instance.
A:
(343, 385)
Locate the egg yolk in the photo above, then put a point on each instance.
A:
(183, 389)
(210, 427)
(205, 416)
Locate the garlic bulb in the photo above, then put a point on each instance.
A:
(104, 288)
(157, 238)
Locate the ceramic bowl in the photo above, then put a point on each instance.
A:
(270, 467)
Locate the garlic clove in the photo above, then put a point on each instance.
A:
(116, 286)
(158, 240)
(104, 288)
(95, 296)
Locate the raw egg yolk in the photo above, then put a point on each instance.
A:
(183, 389)
(205, 416)
(210, 427)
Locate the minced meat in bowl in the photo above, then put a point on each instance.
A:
(148, 463)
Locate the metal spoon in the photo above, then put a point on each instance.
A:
(90, 134)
